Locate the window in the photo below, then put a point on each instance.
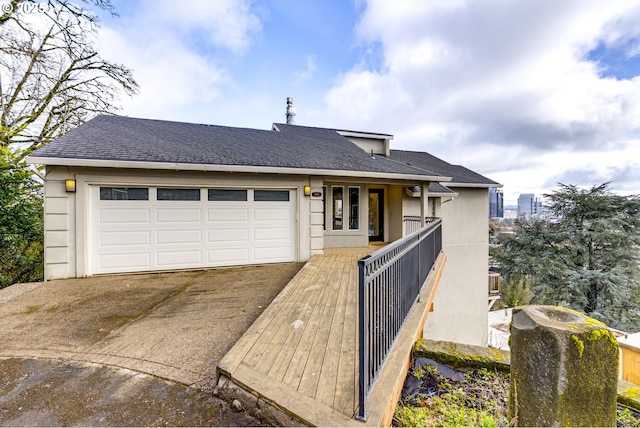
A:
(345, 208)
(227, 195)
(271, 195)
(178, 194)
(124, 194)
(324, 207)
(337, 198)
(354, 208)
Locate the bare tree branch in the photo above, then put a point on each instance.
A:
(51, 76)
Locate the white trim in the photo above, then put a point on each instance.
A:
(443, 195)
(365, 135)
(227, 168)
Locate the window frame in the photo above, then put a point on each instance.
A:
(337, 209)
(159, 189)
(357, 216)
(271, 192)
(122, 188)
(245, 193)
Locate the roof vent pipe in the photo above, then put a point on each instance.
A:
(290, 112)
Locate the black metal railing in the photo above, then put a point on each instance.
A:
(412, 223)
(390, 281)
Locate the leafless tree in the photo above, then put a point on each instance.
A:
(51, 77)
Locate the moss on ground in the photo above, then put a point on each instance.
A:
(457, 404)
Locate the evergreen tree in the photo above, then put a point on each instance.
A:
(21, 221)
(587, 259)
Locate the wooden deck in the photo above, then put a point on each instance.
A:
(301, 354)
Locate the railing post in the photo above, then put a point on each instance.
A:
(363, 340)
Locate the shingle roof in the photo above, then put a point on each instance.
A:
(426, 161)
(439, 188)
(118, 138)
(125, 139)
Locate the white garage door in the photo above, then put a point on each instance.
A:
(136, 229)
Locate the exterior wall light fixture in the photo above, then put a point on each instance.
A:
(70, 185)
(307, 190)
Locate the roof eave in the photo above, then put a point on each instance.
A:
(100, 163)
(359, 134)
(477, 185)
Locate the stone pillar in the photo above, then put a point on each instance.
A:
(564, 369)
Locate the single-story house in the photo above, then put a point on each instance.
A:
(135, 195)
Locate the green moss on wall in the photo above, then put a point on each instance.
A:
(579, 344)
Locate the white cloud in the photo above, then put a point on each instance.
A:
(503, 87)
(170, 77)
(484, 83)
(308, 71)
(172, 47)
(226, 23)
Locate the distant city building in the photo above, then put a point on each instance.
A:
(530, 207)
(496, 203)
(538, 208)
(509, 216)
(526, 206)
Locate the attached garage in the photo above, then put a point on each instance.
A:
(137, 195)
(136, 229)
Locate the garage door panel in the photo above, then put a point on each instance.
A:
(124, 262)
(187, 258)
(228, 256)
(179, 215)
(124, 216)
(270, 214)
(272, 254)
(124, 238)
(272, 243)
(170, 237)
(274, 233)
(227, 235)
(232, 215)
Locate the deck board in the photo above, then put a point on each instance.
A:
(313, 368)
(293, 375)
(304, 346)
(328, 380)
(345, 396)
(269, 343)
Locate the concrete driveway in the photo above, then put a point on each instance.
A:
(174, 326)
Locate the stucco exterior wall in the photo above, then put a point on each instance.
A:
(460, 305)
(67, 214)
(395, 223)
(371, 145)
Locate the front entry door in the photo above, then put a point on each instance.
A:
(376, 215)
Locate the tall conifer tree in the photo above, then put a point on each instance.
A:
(586, 258)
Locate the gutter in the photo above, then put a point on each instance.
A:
(100, 163)
(479, 185)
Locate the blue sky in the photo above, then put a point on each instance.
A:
(529, 93)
